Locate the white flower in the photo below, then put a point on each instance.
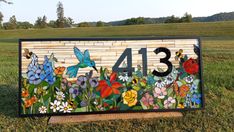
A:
(168, 102)
(189, 79)
(159, 83)
(65, 108)
(42, 109)
(169, 80)
(60, 96)
(123, 78)
(55, 106)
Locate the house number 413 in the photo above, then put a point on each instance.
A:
(143, 51)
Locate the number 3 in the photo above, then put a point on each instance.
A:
(164, 60)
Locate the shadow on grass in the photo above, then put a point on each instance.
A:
(9, 100)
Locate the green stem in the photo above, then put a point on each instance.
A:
(24, 111)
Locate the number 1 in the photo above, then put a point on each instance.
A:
(143, 51)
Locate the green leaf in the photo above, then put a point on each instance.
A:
(36, 106)
(183, 75)
(46, 97)
(160, 104)
(185, 57)
(179, 83)
(31, 89)
(196, 82)
(82, 109)
(143, 106)
(183, 82)
(123, 106)
(170, 91)
(137, 108)
(110, 102)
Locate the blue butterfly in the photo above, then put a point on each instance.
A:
(84, 61)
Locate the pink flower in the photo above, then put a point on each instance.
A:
(147, 99)
(160, 92)
(156, 107)
(168, 102)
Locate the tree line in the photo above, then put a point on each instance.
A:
(41, 22)
(67, 22)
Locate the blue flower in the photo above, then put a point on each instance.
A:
(193, 89)
(48, 71)
(34, 71)
(196, 98)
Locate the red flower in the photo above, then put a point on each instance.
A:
(107, 87)
(191, 66)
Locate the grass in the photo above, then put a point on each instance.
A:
(218, 59)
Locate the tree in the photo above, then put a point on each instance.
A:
(12, 24)
(24, 25)
(84, 24)
(68, 22)
(134, 21)
(173, 19)
(41, 22)
(187, 18)
(60, 14)
(1, 19)
(99, 24)
(52, 24)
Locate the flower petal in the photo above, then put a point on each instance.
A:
(116, 91)
(101, 85)
(113, 76)
(116, 85)
(105, 92)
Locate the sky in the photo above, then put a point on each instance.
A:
(112, 10)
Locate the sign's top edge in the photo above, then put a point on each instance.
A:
(108, 38)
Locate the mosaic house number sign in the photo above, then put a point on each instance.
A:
(106, 75)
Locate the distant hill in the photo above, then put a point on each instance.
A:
(226, 16)
(216, 17)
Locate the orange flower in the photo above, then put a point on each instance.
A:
(25, 93)
(182, 91)
(59, 70)
(34, 99)
(107, 87)
(28, 103)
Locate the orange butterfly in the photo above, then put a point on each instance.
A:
(182, 91)
(59, 70)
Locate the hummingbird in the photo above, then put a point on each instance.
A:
(84, 61)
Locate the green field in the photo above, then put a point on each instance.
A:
(218, 60)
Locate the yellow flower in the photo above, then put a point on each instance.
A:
(180, 105)
(135, 80)
(130, 97)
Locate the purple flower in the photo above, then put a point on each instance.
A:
(81, 81)
(74, 92)
(83, 103)
(93, 82)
